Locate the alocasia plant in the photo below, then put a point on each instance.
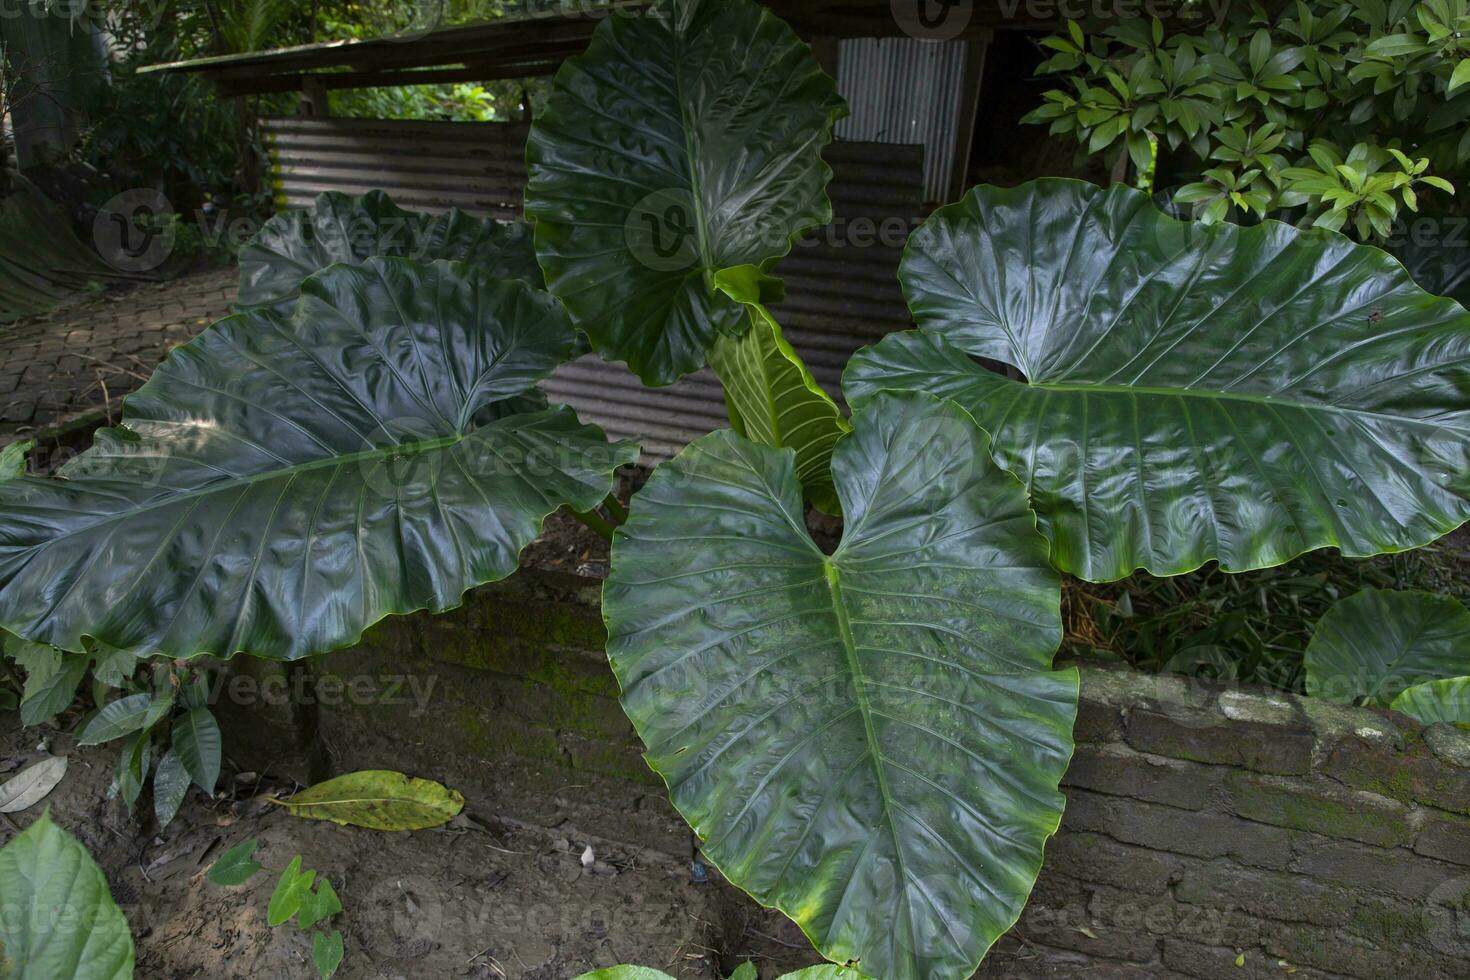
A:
(870, 740)
(1444, 701)
(682, 143)
(281, 484)
(1373, 645)
(340, 229)
(770, 394)
(1189, 393)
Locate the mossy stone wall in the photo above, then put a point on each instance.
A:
(1209, 832)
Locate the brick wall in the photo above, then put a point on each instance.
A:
(1209, 832)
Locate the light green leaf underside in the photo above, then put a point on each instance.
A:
(1373, 645)
(13, 459)
(1191, 394)
(683, 142)
(869, 742)
(294, 246)
(280, 485)
(60, 920)
(1445, 700)
(50, 692)
(776, 402)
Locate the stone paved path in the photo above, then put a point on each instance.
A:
(77, 362)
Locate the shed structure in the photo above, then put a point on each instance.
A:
(904, 148)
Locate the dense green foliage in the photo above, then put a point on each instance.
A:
(1346, 110)
(1250, 628)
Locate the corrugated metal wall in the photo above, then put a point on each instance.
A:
(423, 166)
(903, 90)
(842, 285)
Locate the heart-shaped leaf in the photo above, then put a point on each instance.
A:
(1372, 645)
(379, 800)
(291, 888)
(278, 486)
(60, 920)
(318, 906)
(235, 866)
(1190, 393)
(684, 142)
(871, 741)
(294, 246)
(326, 953)
(1445, 700)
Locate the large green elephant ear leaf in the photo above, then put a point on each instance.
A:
(1189, 393)
(772, 397)
(685, 141)
(871, 741)
(60, 920)
(1446, 701)
(280, 485)
(1371, 646)
(342, 229)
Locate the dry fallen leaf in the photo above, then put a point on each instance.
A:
(32, 784)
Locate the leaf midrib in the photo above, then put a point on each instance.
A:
(865, 711)
(218, 486)
(1224, 396)
(706, 256)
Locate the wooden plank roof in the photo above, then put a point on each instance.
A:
(532, 45)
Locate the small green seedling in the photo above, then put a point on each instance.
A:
(293, 897)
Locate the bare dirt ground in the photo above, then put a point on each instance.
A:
(480, 898)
